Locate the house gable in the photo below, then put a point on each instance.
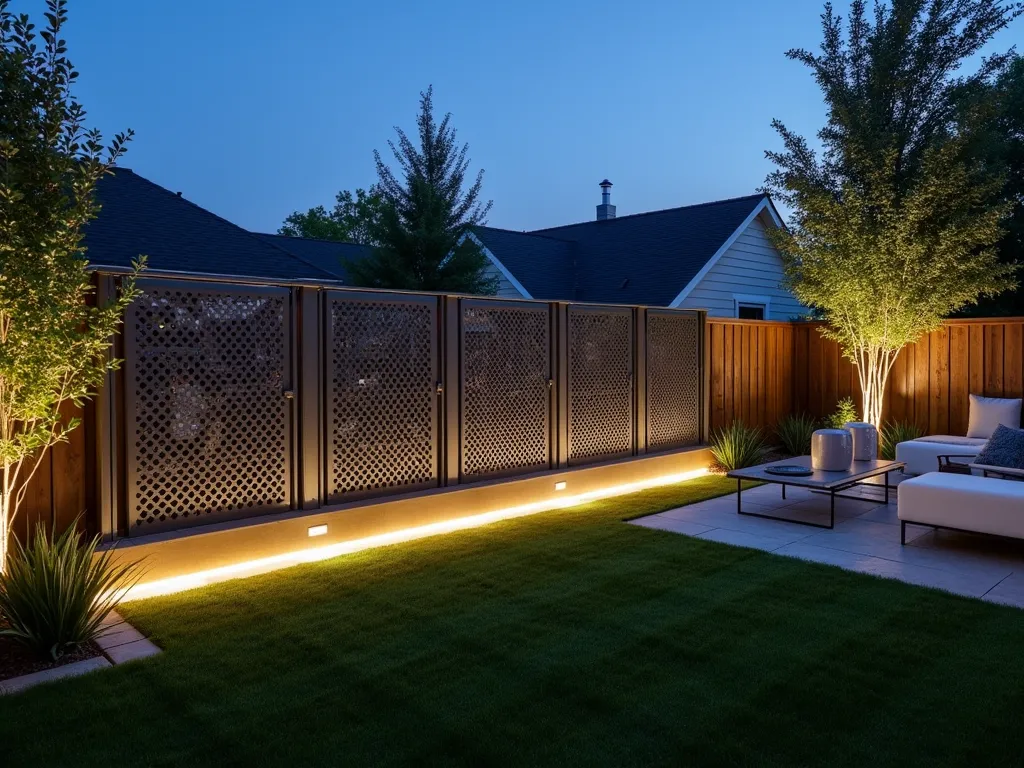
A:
(747, 270)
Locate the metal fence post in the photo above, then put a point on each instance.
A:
(451, 385)
(313, 332)
(105, 405)
(703, 338)
(640, 381)
(560, 411)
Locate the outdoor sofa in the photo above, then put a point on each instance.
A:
(972, 503)
(986, 414)
(979, 488)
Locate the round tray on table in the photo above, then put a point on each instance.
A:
(789, 470)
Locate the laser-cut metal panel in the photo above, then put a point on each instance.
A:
(382, 400)
(208, 426)
(601, 399)
(673, 379)
(506, 387)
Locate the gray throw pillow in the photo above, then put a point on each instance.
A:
(1004, 449)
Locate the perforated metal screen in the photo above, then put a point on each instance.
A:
(208, 425)
(382, 401)
(673, 379)
(600, 383)
(506, 395)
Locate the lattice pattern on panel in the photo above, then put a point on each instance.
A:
(600, 384)
(673, 380)
(505, 392)
(209, 436)
(383, 428)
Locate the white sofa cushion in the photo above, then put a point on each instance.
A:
(922, 455)
(987, 413)
(967, 502)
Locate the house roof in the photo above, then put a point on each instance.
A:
(140, 217)
(328, 255)
(644, 258)
(543, 265)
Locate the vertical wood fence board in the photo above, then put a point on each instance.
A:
(993, 360)
(1012, 354)
(959, 378)
(938, 408)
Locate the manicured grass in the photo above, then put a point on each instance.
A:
(567, 638)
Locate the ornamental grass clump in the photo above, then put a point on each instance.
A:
(896, 432)
(794, 433)
(738, 446)
(56, 591)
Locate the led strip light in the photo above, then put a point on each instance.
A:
(313, 554)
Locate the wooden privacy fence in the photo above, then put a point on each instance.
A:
(239, 399)
(761, 371)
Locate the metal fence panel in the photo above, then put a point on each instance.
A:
(506, 387)
(208, 379)
(600, 383)
(673, 379)
(382, 399)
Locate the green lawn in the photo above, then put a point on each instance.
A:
(563, 638)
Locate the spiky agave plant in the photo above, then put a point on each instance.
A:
(738, 446)
(56, 591)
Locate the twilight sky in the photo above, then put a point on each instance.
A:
(256, 108)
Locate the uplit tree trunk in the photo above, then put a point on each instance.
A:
(873, 366)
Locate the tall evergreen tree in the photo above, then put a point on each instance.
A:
(427, 215)
(896, 224)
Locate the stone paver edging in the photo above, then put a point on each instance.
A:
(120, 643)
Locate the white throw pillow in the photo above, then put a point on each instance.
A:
(987, 413)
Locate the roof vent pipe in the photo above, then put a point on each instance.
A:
(606, 210)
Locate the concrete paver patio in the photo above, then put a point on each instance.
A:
(866, 538)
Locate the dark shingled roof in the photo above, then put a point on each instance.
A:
(140, 217)
(645, 258)
(543, 265)
(328, 255)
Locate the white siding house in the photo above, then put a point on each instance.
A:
(747, 277)
(715, 256)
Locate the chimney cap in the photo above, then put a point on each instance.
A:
(605, 184)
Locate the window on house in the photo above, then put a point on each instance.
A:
(750, 311)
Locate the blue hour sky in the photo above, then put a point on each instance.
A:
(255, 109)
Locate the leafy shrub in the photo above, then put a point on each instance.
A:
(794, 432)
(894, 432)
(738, 446)
(845, 411)
(55, 593)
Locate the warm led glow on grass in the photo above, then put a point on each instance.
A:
(263, 565)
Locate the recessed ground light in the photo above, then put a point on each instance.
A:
(317, 530)
(560, 485)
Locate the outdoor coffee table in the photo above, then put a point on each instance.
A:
(831, 483)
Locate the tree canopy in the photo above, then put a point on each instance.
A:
(895, 220)
(429, 209)
(352, 220)
(53, 343)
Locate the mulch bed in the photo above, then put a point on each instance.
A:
(17, 660)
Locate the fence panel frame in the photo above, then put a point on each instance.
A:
(327, 391)
(605, 309)
(486, 303)
(131, 353)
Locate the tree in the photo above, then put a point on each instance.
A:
(422, 234)
(1004, 149)
(895, 225)
(52, 342)
(352, 220)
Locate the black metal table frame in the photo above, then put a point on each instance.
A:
(833, 494)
